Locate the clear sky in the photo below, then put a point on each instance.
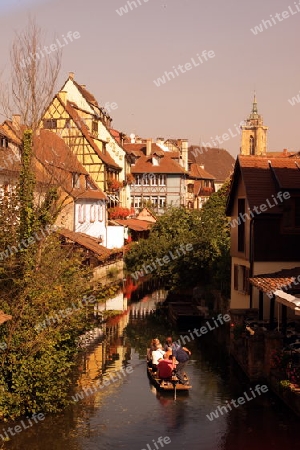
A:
(118, 57)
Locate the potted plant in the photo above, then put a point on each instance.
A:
(130, 179)
(114, 185)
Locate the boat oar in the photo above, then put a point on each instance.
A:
(174, 382)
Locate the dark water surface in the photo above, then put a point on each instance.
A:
(129, 414)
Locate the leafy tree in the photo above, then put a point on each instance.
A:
(216, 234)
(206, 231)
(38, 279)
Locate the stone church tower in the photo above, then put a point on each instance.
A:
(254, 134)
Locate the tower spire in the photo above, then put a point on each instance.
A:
(254, 105)
(254, 133)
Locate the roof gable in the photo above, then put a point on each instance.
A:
(262, 178)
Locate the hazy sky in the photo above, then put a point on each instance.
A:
(118, 57)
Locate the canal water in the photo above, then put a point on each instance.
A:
(128, 413)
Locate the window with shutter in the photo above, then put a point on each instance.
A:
(236, 277)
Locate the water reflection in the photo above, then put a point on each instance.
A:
(129, 413)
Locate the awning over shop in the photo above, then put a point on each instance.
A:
(288, 300)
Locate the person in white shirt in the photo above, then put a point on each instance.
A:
(157, 354)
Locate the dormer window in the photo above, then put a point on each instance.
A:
(155, 160)
(4, 142)
(76, 180)
(88, 183)
(95, 128)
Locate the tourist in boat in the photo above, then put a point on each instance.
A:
(157, 354)
(182, 355)
(165, 366)
(168, 344)
(153, 346)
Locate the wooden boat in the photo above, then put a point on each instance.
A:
(169, 385)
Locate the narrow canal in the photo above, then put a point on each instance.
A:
(129, 414)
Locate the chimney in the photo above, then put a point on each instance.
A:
(148, 147)
(16, 121)
(83, 86)
(71, 75)
(202, 166)
(285, 151)
(184, 145)
(63, 96)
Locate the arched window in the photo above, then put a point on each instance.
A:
(252, 146)
(92, 213)
(81, 213)
(100, 212)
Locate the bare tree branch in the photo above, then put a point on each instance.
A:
(34, 72)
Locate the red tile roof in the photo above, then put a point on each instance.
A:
(71, 109)
(134, 224)
(86, 94)
(278, 280)
(264, 177)
(88, 242)
(216, 161)
(197, 172)
(140, 149)
(105, 157)
(60, 163)
(166, 165)
(9, 162)
(13, 134)
(285, 170)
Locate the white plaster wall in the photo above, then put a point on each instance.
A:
(73, 95)
(88, 215)
(115, 237)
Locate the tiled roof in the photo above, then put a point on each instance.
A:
(140, 149)
(88, 242)
(264, 177)
(12, 133)
(96, 194)
(52, 150)
(134, 224)
(9, 163)
(166, 165)
(86, 94)
(286, 171)
(59, 161)
(216, 161)
(71, 110)
(284, 153)
(278, 280)
(105, 157)
(197, 172)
